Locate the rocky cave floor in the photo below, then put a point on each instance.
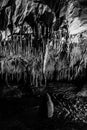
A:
(23, 113)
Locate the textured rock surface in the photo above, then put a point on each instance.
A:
(70, 54)
(77, 17)
(19, 11)
(34, 59)
(64, 53)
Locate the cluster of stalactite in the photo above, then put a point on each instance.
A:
(25, 41)
(37, 44)
(24, 45)
(71, 73)
(16, 46)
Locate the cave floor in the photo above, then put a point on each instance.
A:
(23, 113)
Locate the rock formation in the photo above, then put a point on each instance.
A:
(54, 31)
(43, 50)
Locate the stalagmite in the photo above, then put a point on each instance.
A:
(50, 106)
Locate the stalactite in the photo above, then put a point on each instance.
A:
(25, 76)
(40, 80)
(0, 48)
(30, 79)
(44, 31)
(72, 71)
(45, 79)
(31, 40)
(38, 28)
(12, 76)
(6, 53)
(76, 70)
(58, 77)
(25, 47)
(14, 42)
(1, 75)
(28, 45)
(6, 73)
(17, 45)
(9, 48)
(17, 76)
(36, 81)
(33, 74)
(2, 66)
(20, 39)
(64, 76)
(68, 74)
(60, 74)
(33, 78)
